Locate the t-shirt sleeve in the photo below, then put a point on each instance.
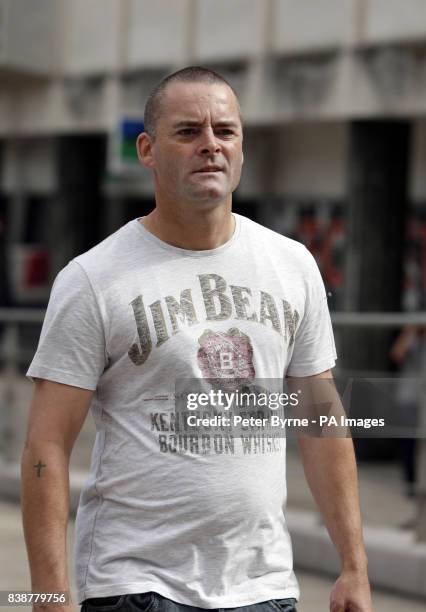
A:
(314, 348)
(71, 349)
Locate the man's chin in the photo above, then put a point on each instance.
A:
(208, 196)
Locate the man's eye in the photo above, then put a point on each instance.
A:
(224, 132)
(187, 132)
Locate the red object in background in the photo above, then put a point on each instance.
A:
(36, 270)
(420, 235)
(308, 231)
(327, 243)
(414, 286)
(332, 252)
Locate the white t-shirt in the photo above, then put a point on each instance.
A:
(198, 521)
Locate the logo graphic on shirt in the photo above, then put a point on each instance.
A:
(226, 354)
(166, 316)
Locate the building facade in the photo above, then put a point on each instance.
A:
(333, 94)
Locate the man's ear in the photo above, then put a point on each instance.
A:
(144, 149)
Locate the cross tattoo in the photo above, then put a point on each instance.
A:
(39, 466)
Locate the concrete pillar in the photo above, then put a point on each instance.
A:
(81, 167)
(377, 203)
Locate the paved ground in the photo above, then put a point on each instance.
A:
(383, 503)
(15, 575)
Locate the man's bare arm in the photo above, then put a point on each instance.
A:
(57, 414)
(330, 468)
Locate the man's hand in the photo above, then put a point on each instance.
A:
(351, 593)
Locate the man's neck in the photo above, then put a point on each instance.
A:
(199, 232)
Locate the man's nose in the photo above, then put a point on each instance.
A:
(208, 143)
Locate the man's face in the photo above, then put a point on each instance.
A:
(197, 152)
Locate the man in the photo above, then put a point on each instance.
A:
(189, 291)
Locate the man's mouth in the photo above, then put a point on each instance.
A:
(209, 169)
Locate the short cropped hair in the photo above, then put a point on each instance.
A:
(191, 74)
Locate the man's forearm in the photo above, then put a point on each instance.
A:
(330, 469)
(45, 510)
